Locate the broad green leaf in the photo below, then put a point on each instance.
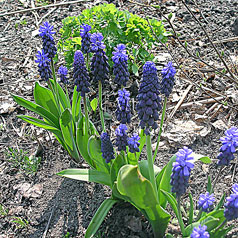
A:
(210, 222)
(94, 151)
(94, 104)
(117, 163)
(163, 181)
(202, 158)
(76, 105)
(99, 217)
(88, 175)
(44, 97)
(37, 109)
(172, 201)
(191, 209)
(143, 166)
(67, 131)
(139, 190)
(221, 233)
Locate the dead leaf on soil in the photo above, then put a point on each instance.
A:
(220, 124)
(7, 108)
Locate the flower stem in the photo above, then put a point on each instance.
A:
(180, 220)
(125, 157)
(86, 114)
(199, 215)
(100, 105)
(160, 129)
(150, 164)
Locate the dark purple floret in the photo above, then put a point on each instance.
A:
(231, 206)
(43, 65)
(123, 112)
(206, 201)
(181, 171)
(85, 35)
(120, 68)
(46, 33)
(81, 75)
(134, 143)
(228, 148)
(149, 102)
(99, 62)
(200, 232)
(106, 147)
(62, 72)
(121, 137)
(167, 79)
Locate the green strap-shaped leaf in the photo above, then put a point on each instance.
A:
(94, 151)
(132, 184)
(44, 97)
(76, 107)
(172, 201)
(163, 181)
(191, 209)
(37, 109)
(88, 175)
(99, 217)
(143, 165)
(67, 131)
(117, 163)
(220, 203)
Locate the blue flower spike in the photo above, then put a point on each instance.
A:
(206, 201)
(43, 65)
(120, 67)
(168, 79)
(46, 33)
(181, 171)
(85, 35)
(62, 72)
(228, 148)
(200, 232)
(134, 143)
(107, 147)
(121, 137)
(80, 73)
(123, 112)
(149, 102)
(231, 206)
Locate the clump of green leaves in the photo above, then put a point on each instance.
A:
(19, 160)
(117, 27)
(3, 211)
(20, 223)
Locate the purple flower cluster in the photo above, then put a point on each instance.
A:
(231, 206)
(121, 137)
(106, 147)
(81, 76)
(149, 102)
(62, 72)
(43, 65)
(200, 232)
(181, 171)
(99, 62)
(123, 112)
(228, 148)
(134, 143)
(206, 201)
(85, 35)
(46, 33)
(167, 79)
(120, 68)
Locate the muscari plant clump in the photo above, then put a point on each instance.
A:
(116, 162)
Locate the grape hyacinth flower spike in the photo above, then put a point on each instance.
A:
(99, 62)
(62, 72)
(85, 35)
(206, 201)
(106, 147)
(181, 171)
(200, 232)
(228, 148)
(121, 137)
(120, 67)
(134, 143)
(43, 65)
(149, 102)
(80, 73)
(123, 112)
(46, 33)
(231, 206)
(167, 83)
